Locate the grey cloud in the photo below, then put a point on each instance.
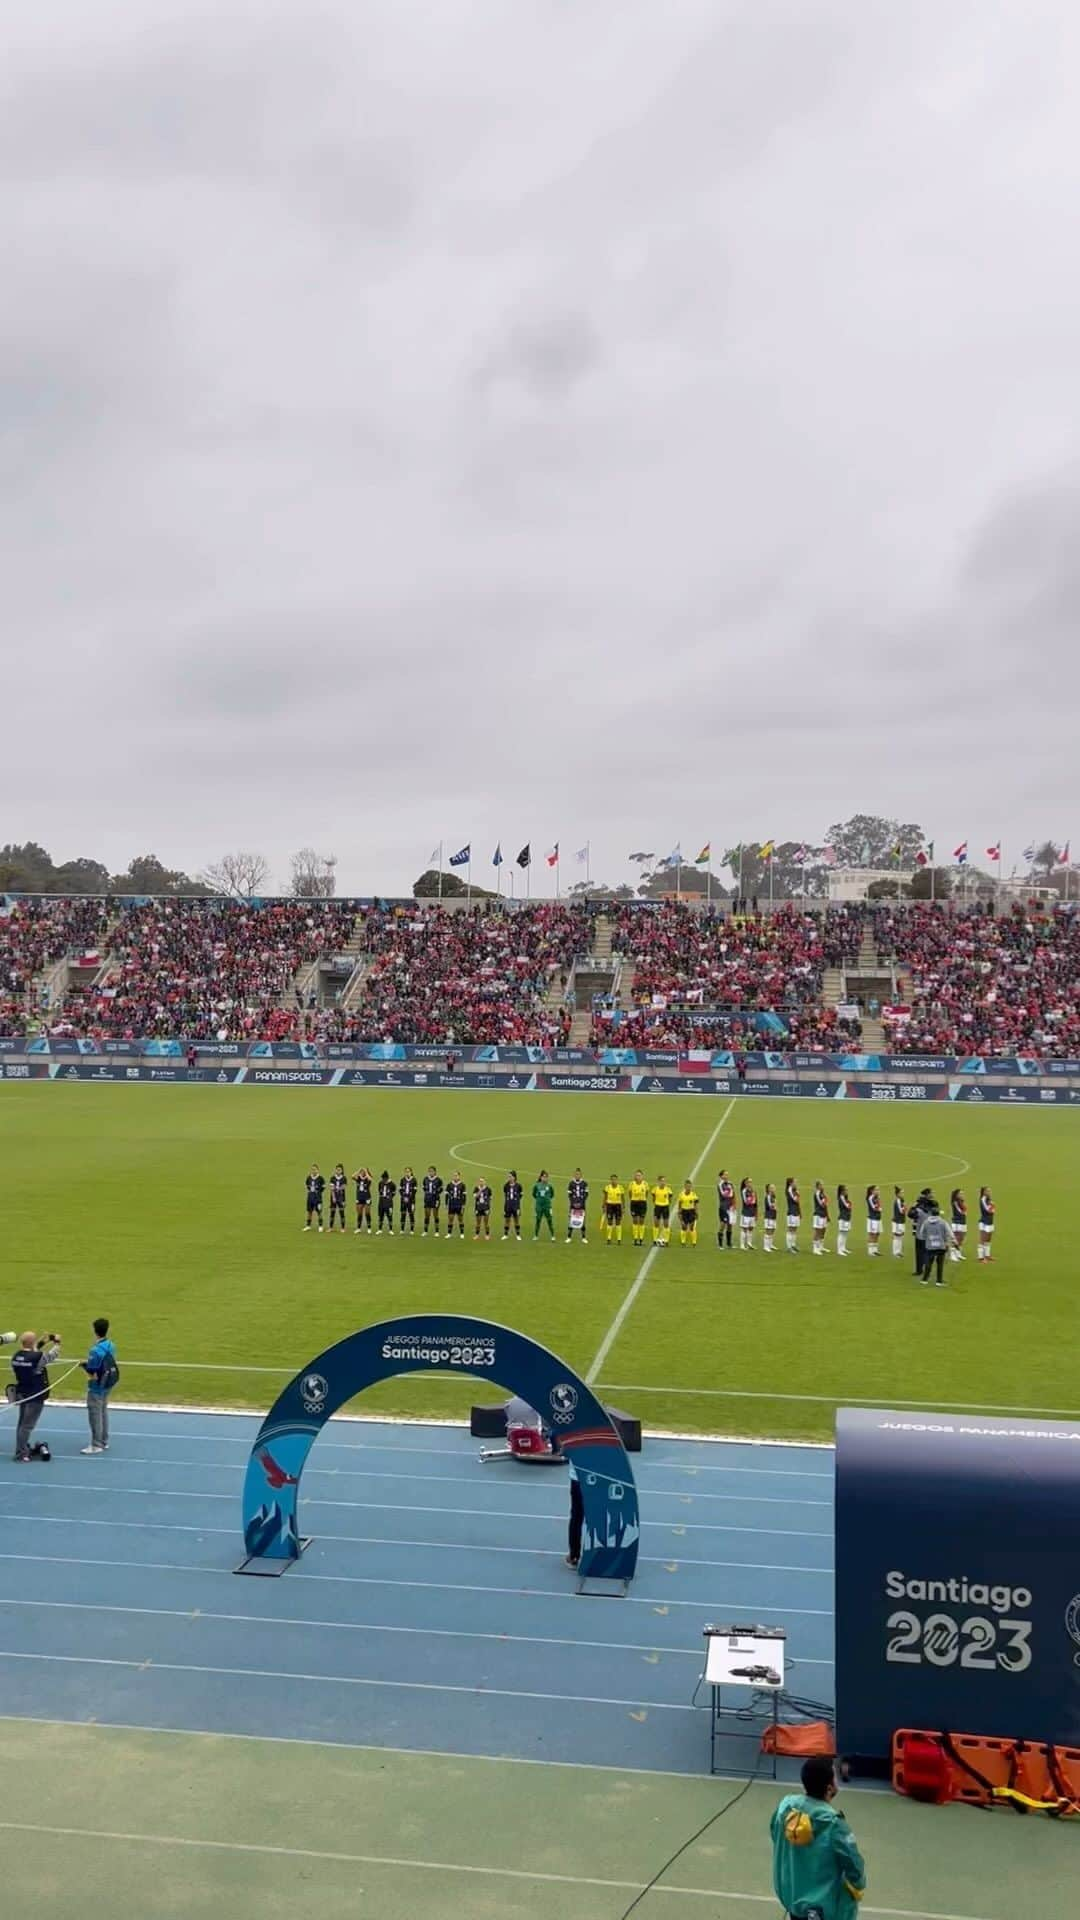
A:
(580, 422)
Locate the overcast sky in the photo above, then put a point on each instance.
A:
(533, 419)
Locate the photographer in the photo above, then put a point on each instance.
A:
(30, 1365)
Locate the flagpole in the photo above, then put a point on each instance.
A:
(558, 889)
(440, 870)
(468, 880)
(708, 880)
(772, 870)
(588, 864)
(738, 890)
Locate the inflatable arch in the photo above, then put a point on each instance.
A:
(442, 1343)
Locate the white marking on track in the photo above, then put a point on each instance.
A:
(403, 1864)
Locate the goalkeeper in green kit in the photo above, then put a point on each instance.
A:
(543, 1194)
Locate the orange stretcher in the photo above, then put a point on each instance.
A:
(984, 1771)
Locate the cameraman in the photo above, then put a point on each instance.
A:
(29, 1364)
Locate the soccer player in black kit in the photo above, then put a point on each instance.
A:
(512, 1191)
(455, 1206)
(387, 1190)
(407, 1200)
(432, 1199)
(482, 1208)
(339, 1187)
(725, 1206)
(362, 1183)
(314, 1187)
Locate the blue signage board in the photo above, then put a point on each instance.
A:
(957, 1578)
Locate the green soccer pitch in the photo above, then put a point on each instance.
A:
(178, 1212)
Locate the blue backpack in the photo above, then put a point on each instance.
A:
(108, 1373)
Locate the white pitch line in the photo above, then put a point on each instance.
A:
(619, 1321)
(401, 1863)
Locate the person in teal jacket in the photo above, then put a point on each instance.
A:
(818, 1871)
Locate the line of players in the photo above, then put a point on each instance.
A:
(438, 1199)
(741, 1210)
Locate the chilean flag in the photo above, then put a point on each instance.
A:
(959, 854)
(553, 856)
(1063, 856)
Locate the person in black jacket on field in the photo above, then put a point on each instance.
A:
(30, 1363)
(924, 1205)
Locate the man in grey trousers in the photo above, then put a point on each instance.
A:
(102, 1371)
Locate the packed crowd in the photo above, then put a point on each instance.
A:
(983, 984)
(811, 1029)
(743, 967)
(460, 978)
(201, 970)
(207, 970)
(33, 935)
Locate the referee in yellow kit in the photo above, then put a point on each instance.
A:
(638, 1195)
(614, 1195)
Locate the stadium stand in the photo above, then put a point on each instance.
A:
(459, 978)
(985, 984)
(34, 935)
(206, 969)
(752, 975)
(968, 982)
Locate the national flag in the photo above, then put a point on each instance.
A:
(524, 858)
(673, 859)
(922, 859)
(767, 849)
(496, 858)
(1029, 854)
(552, 858)
(582, 855)
(959, 854)
(1063, 856)
(897, 849)
(994, 853)
(435, 856)
(462, 858)
(799, 856)
(704, 856)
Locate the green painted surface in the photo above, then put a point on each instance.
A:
(177, 1824)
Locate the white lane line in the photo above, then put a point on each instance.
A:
(447, 1586)
(886, 1401)
(360, 1626)
(385, 1540)
(347, 1579)
(469, 1480)
(408, 1506)
(345, 1680)
(403, 1864)
(691, 1443)
(645, 1268)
